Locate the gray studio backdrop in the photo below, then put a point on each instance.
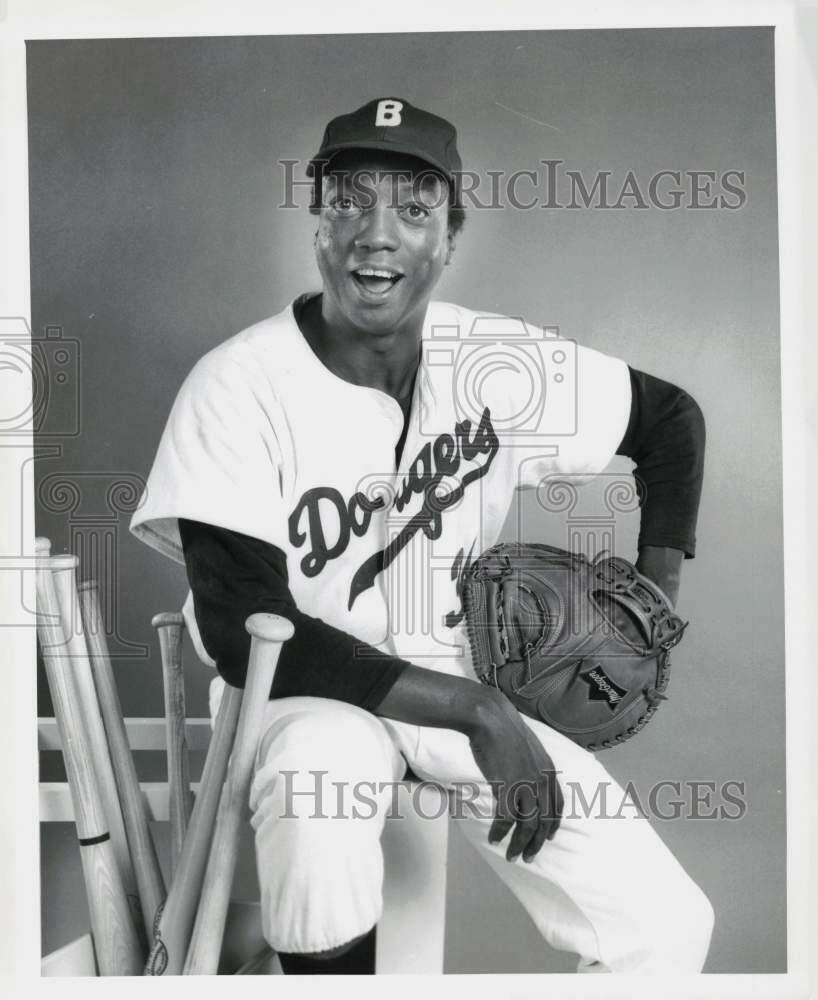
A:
(155, 234)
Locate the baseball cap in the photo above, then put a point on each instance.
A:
(395, 125)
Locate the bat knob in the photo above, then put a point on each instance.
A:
(273, 628)
(42, 546)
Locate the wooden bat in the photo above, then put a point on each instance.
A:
(148, 873)
(257, 964)
(63, 570)
(117, 946)
(169, 625)
(268, 633)
(174, 924)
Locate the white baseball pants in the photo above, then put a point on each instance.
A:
(605, 888)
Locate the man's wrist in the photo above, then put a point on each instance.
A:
(475, 708)
(488, 711)
(427, 698)
(663, 565)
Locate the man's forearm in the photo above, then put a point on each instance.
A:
(663, 565)
(424, 697)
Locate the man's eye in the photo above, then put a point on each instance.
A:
(344, 206)
(414, 211)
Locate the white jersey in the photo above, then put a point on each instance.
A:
(265, 440)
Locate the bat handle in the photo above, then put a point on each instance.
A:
(268, 633)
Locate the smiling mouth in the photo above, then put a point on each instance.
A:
(376, 280)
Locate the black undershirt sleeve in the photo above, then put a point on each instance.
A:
(233, 576)
(665, 437)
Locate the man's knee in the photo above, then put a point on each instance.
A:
(324, 762)
(343, 738)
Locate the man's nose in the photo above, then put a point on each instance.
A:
(378, 228)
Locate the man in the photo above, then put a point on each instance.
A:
(313, 464)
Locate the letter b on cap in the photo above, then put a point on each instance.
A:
(388, 113)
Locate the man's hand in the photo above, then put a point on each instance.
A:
(522, 777)
(511, 758)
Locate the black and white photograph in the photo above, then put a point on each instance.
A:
(408, 432)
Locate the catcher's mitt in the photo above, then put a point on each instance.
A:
(580, 645)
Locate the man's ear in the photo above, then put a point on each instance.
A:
(450, 248)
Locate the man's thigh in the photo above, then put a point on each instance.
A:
(320, 794)
(318, 743)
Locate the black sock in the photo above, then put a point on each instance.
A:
(358, 961)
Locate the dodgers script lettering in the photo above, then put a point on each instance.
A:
(439, 460)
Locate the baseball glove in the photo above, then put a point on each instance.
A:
(580, 645)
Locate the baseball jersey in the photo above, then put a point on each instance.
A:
(265, 440)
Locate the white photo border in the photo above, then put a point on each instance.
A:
(796, 36)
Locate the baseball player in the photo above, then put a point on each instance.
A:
(321, 465)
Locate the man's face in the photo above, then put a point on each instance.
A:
(382, 240)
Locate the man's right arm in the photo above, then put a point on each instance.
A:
(232, 576)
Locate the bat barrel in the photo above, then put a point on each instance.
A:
(174, 926)
(150, 884)
(117, 945)
(169, 626)
(269, 628)
(168, 619)
(63, 571)
(268, 632)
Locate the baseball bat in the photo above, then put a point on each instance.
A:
(169, 625)
(174, 923)
(268, 633)
(117, 947)
(148, 873)
(257, 963)
(63, 570)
